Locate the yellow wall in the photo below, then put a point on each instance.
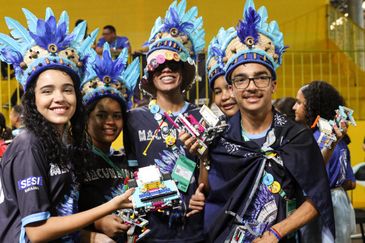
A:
(357, 135)
(303, 22)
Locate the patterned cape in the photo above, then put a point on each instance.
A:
(237, 165)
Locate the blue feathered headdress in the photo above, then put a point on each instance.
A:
(45, 44)
(106, 77)
(216, 54)
(177, 37)
(255, 41)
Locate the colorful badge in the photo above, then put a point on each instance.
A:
(275, 187)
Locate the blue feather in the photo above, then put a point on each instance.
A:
(64, 18)
(249, 26)
(31, 20)
(88, 41)
(181, 7)
(106, 66)
(124, 55)
(49, 13)
(19, 32)
(190, 15)
(249, 4)
(10, 42)
(79, 32)
(11, 57)
(263, 14)
(49, 33)
(173, 21)
(131, 74)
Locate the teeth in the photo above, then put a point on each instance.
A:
(59, 109)
(167, 78)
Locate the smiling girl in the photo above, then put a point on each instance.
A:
(39, 171)
(105, 95)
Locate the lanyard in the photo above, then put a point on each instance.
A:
(106, 158)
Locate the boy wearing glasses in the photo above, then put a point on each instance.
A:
(267, 177)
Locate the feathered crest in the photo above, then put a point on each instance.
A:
(172, 20)
(264, 40)
(10, 56)
(179, 37)
(249, 26)
(216, 53)
(108, 77)
(31, 49)
(106, 66)
(49, 33)
(186, 23)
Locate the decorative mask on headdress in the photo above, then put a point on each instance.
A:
(45, 44)
(110, 78)
(178, 37)
(216, 54)
(255, 42)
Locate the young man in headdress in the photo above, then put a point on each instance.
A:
(267, 177)
(150, 138)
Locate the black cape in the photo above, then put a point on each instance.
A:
(237, 163)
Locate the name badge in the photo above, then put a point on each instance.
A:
(183, 172)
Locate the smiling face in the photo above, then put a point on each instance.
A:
(55, 97)
(223, 97)
(105, 122)
(168, 77)
(251, 98)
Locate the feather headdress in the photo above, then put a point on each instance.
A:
(255, 41)
(45, 44)
(110, 78)
(179, 37)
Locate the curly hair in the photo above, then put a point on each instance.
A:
(321, 99)
(51, 140)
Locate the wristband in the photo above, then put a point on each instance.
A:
(275, 233)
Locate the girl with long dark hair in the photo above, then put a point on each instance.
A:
(321, 98)
(106, 92)
(41, 168)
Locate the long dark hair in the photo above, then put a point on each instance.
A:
(322, 99)
(5, 132)
(56, 151)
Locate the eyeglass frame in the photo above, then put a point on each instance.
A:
(253, 79)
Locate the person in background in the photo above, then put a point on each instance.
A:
(116, 43)
(285, 106)
(106, 91)
(15, 118)
(42, 167)
(319, 98)
(222, 92)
